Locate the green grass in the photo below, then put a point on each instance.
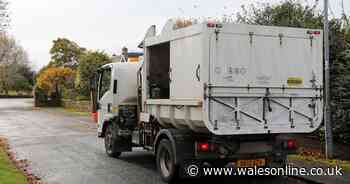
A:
(71, 111)
(8, 172)
(345, 165)
(15, 93)
(78, 113)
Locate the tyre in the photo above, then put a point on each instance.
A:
(165, 159)
(110, 140)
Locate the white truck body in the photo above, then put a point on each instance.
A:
(235, 79)
(216, 93)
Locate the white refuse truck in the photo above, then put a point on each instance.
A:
(218, 94)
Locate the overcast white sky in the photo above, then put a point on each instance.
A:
(106, 24)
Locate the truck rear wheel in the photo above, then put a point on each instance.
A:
(110, 141)
(166, 162)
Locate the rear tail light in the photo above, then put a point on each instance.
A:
(203, 147)
(211, 24)
(290, 144)
(317, 32)
(314, 32)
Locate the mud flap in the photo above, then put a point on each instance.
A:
(123, 143)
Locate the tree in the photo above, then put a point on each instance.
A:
(15, 77)
(289, 13)
(15, 73)
(88, 65)
(4, 16)
(292, 13)
(347, 33)
(65, 52)
(7, 48)
(4, 78)
(53, 79)
(14, 66)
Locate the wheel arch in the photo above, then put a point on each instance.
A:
(165, 134)
(176, 138)
(105, 125)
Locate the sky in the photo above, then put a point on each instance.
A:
(108, 25)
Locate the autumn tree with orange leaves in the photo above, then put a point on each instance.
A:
(53, 79)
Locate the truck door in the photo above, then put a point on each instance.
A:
(105, 96)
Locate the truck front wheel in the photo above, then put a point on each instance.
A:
(110, 141)
(166, 162)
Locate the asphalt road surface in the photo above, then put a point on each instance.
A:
(64, 149)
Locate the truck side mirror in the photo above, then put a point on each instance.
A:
(93, 90)
(93, 83)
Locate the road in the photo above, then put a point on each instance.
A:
(63, 149)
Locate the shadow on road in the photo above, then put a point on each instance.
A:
(141, 159)
(147, 160)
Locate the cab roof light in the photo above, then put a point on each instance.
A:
(211, 24)
(317, 32)
(314, 32)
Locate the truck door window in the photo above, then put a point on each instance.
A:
(105, 81)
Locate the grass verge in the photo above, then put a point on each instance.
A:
(9, 174)
(78, 113)
(71, 111)
(345, 165)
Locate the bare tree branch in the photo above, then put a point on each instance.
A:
(344, 16)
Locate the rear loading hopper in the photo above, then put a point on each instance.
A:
(231, 79)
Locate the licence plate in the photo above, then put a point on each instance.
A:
(251, 163)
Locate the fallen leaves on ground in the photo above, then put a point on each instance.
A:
(316, 153)
(21, 164)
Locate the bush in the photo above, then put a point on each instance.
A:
(41, 99)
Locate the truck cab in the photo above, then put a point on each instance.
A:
(116, 91)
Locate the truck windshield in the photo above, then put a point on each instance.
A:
(104, 82)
